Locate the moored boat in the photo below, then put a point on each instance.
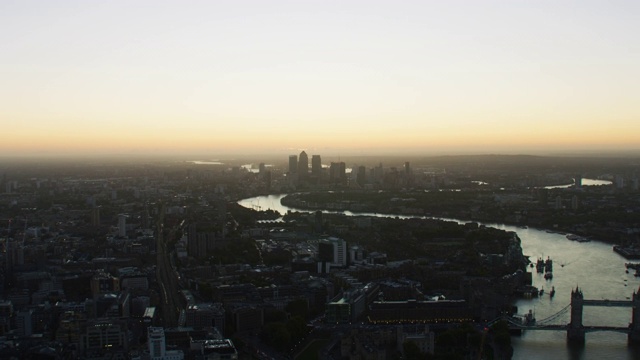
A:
(548, 265)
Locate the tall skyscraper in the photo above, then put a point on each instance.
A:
(303, 165)
(316, 166)
(293, 164)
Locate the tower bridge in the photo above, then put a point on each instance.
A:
(575, 329)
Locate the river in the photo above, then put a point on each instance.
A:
(593, 266)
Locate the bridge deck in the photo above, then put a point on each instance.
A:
(625, 330)
(616, 303)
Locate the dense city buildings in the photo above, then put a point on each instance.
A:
(161, 261)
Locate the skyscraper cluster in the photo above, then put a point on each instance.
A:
(299, 168)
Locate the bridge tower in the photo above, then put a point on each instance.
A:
(634, 327)
(575, 329)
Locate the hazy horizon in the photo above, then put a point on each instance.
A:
(416, 78)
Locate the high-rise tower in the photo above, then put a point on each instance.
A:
(293, 164)
(316, 166)
(303, 165)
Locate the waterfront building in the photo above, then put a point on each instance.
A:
(558, 204)
(442, 311)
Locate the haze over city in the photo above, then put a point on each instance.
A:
(319, 179)
(334, 77)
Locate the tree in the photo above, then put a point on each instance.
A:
(412, 351)
(277, 335)
(298, 307)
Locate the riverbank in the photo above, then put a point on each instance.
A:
(547, 220)
(593, 266)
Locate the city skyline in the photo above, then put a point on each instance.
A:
(248, 77)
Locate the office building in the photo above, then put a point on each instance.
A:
(303, 165)
(105, 335)
(338, 172)
(24, 323)
(361, 175)
(122, 225)
(332, 252)
(206, 315)
(103, 282)
(157, 346)
(222, 349)
(293, 164)
(316, 166)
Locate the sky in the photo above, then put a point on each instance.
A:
(270, 76)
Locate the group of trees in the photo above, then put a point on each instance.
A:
(284, 329)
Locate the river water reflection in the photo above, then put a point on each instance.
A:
(592, 266)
